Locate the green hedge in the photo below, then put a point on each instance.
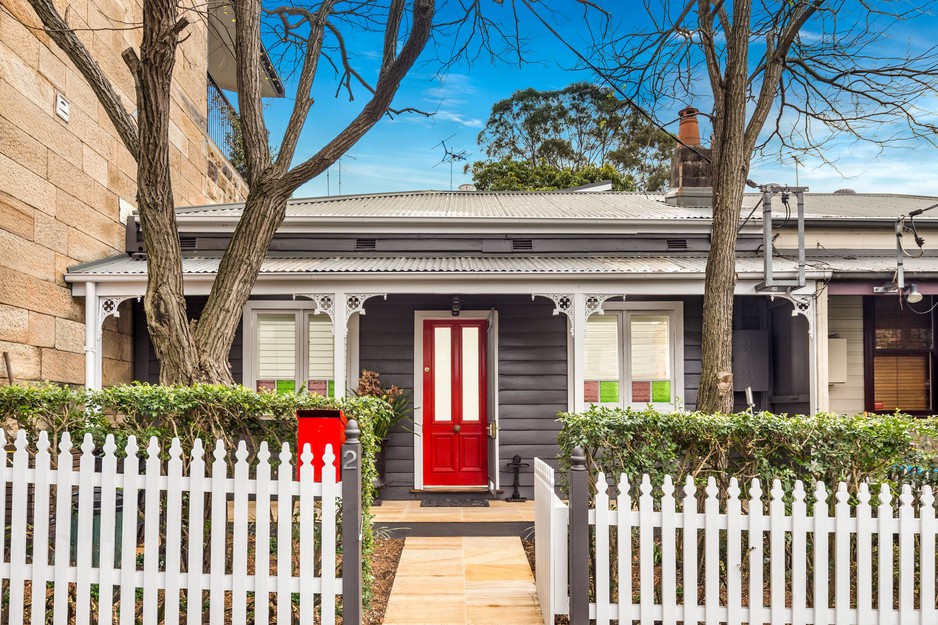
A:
(202, 411)
(825, 447)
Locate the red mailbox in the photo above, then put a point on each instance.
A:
(320, 427)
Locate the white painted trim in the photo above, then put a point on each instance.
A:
(339, 332)
(419, 317)
(91, 333)
(571, 377)
(821, 347)
(492, 401)
(354, 350)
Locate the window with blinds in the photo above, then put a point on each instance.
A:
(276, 352)
(320, 357)
(293, 351)
(903, 358)
(650, 343)
(629, 358)
(601, 367)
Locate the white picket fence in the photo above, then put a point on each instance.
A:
(550, 521)
(758, 568)
(196, 565)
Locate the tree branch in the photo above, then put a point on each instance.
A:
(60, 32)
(774, 66)
(304, 101)
(388, 82)
(250, 107)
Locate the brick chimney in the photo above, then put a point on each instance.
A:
(690, 172)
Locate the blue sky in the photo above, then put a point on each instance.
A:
(405, 153)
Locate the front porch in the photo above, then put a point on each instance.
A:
(550, 342)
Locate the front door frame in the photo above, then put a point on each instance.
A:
(419, 317)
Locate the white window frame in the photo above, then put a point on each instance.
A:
(299, 310)
(675, 313)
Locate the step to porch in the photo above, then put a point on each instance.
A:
(403, 519)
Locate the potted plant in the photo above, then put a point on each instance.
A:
(369, 384)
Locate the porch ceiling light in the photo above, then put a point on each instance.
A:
(912, 295)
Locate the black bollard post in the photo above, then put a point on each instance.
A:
(516, 465)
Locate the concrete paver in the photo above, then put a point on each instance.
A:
(463, 581)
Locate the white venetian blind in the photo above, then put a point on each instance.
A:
(276, 346)
(320, 348)
(602, 348)
(651, 353)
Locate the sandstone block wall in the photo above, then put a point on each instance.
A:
(60, 182)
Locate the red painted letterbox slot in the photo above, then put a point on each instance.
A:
(319, 427)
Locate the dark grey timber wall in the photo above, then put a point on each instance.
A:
(147, 367)
(532, 362)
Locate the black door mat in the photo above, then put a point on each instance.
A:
(454, 503)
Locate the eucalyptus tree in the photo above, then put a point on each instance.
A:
(577, 132)
(781, 77)
(317, 34)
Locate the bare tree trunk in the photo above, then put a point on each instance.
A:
(264, 211)
(730, 168)
(164, 303)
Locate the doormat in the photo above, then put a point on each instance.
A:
(454, 503)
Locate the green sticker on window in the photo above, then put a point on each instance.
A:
(661, 391)
(608, 392)
(331, 392)
(286, 386)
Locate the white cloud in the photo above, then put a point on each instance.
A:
(450, 116)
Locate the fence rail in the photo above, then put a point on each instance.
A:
(203, 547)
(749, 559)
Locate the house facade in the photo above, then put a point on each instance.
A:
(500, 310)
(68, 185)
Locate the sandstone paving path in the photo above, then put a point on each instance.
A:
(463, 580)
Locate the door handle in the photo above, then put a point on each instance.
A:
(456, 428)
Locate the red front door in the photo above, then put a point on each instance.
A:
(454, 401)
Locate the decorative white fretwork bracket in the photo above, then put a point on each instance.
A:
(355, 302)
(325, 303)
(802, 305)
(108, 306)
(565, 303)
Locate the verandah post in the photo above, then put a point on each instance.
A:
(579, 561)
(351, 463)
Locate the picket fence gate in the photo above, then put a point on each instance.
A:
(783, 559)
(183, 561)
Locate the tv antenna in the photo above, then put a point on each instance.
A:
(451, 155)
(329, 171)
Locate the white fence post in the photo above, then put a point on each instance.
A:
(100, 492)
(550, 530)
(905, 584)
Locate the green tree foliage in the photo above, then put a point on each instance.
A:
(542, 140)
(513, 175)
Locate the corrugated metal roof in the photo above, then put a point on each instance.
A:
(560, 206)
(125, 265)
(559, 265)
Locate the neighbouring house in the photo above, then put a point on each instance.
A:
(67, 184)
(502, 309)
